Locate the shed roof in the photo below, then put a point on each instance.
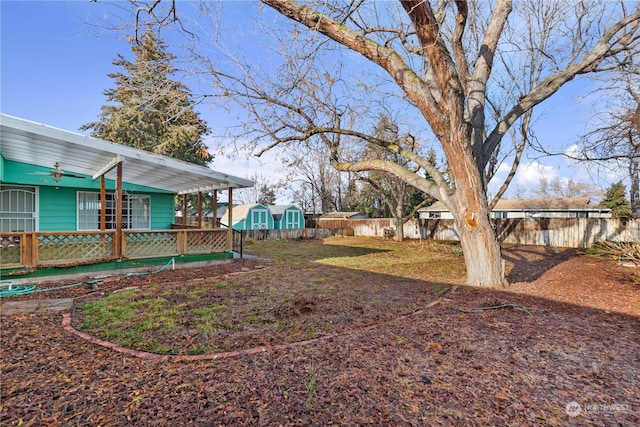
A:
(546, 204)
(278, 210)
(35, 143)
(240, 212)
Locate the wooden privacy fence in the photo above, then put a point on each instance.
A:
(559, 232)
(68, 248)
(300, 233)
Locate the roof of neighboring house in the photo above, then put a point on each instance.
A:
(240, 212)
(341, 215)
(548, 204)
(35, 143)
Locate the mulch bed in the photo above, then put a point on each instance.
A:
(566, 331)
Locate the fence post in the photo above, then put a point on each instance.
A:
(26, 250)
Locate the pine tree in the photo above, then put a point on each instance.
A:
(616, 200)
(148, 109)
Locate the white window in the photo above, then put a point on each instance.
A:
(136, 211)
(18, 209)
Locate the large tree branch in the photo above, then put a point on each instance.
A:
(422, 184)
(431, 169)
(387, 58)
(550, 85)
(476, 87)
(516, 161)
(439, 65)
(458, 49)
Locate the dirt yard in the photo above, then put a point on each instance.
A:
(560, 346)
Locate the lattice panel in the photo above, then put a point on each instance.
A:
(74, 247)
(146, 243)
(199, 242)
(10, 251)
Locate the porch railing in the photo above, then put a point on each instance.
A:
(36, 249)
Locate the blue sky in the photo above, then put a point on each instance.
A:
(55, 57)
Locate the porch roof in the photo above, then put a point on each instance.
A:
(35, 143)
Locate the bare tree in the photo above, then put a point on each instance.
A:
(265, 191)
(449, 65)
(395, 192)
(614, 140)
(557, 187)
(318, 187)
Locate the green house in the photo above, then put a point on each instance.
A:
(249, 217)
(67, 197)
(287, 217)
(50, 180)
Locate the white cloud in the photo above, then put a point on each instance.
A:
(529, 174)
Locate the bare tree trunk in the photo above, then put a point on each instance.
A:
(635, 186)
(398, 219)
(469, 207)
(482, 256)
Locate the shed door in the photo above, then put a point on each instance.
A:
(291, 220)
(17, 209)
(259, 219)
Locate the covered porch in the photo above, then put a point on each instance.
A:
(72, 165)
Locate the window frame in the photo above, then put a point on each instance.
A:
(128, 211)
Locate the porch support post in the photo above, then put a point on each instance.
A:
(184, 209)
(199, 209)
(214, 208)
(103, 203)
(119, 201)
(230, 216)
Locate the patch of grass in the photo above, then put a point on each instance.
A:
(313, 288)
(310, 385)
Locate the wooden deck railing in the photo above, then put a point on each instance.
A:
(39, 249)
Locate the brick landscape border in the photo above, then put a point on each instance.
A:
(66, 323)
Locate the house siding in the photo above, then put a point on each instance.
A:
(57, 209)
(162, 211)
(57, 201)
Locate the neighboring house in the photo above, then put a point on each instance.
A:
(56, 184)
(287, 217)
(579, 207)
(249, 217)
(332, 216)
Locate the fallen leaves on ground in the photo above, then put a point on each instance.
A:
(566, 331)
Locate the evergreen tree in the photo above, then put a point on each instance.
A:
(148, 109)
(616, 200)
(267, 195)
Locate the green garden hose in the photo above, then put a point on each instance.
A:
(7, 289)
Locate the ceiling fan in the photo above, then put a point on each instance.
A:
(57, 174)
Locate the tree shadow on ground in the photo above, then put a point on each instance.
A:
(387, 364)
(528, 263)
